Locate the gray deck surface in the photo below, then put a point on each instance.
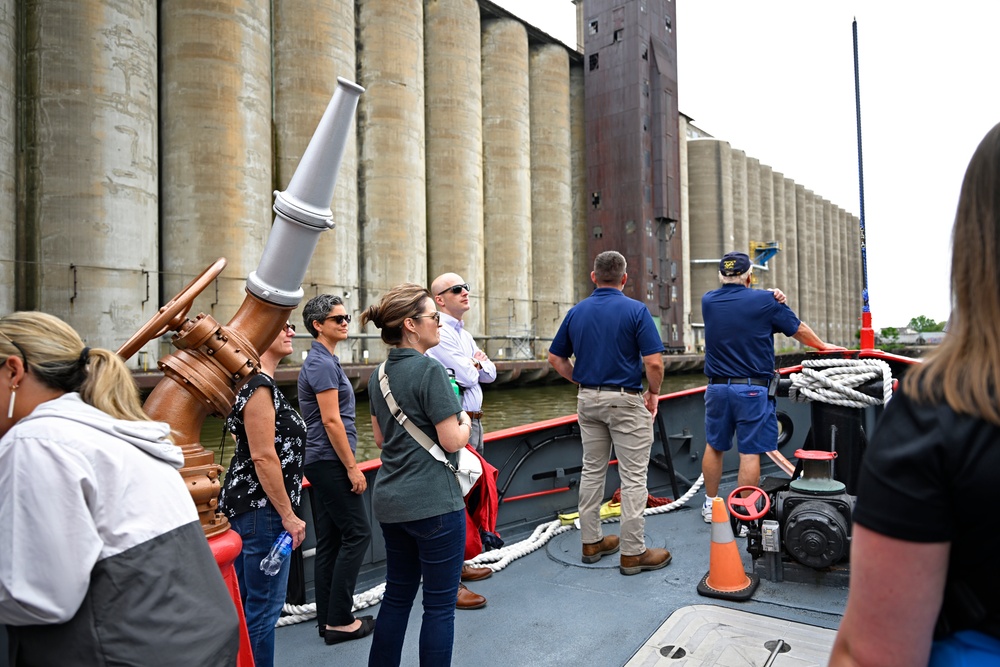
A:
(547, 608)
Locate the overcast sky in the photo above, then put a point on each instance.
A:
(776, 79)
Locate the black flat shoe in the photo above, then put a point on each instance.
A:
(338, 636)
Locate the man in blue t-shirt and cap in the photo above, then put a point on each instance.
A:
(740, 324)
(613, 337)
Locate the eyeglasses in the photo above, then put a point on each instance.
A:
(456, 289)
(24, 356)
(339, 319)
(436, 315)
(289, 327)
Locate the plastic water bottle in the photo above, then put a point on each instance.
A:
(280, 550)
(454, 384)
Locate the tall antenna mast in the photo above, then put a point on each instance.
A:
(867, 333)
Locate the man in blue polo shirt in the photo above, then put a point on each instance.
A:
(613, 337)
(740, 324)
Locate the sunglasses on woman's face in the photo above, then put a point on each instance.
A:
(289, 327)
(436, 316)
(339, 319)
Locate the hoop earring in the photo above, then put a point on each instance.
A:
(10, 406)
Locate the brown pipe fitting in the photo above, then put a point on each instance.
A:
(202, 378)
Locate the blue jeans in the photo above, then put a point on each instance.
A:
(263, 596)
(433, 548)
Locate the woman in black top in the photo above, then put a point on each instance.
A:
(263, 489)
(925, 588)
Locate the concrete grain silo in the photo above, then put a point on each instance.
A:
(780, 263)
(391, 165)
(755, 227)
(741, 201)
(806, 237)
(710, 211)
(453, 90)
(313, 43)
(551, 196)
(824, 219)
(685, 182)
(90, 192)
(791, 248)
(766, 213)
(216, 163)
(836, 280)
(846, 313)
(582, 261)
(8, 158)
(507, 185)
(857, 300)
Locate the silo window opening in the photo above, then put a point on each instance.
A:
(593, 27)
(618, 34)
(645, 52)
(595, 199)
(669, 24)
(594, 61)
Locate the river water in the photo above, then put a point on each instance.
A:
(503, 407)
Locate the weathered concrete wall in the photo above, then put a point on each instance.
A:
(89, 128)
(741, 202)
(710, 199)
(392, 189)
(216, 166)
(8, 154)
(313, 43)
(506, 180)
(454, 121)
(551, 197)
(582, 261)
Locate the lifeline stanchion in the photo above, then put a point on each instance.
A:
(726, 578)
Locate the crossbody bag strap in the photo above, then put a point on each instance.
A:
(432, 447)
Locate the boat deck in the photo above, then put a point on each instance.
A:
(548, 608)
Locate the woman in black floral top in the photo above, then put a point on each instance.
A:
(262, 491)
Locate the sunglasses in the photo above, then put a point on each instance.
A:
(436, 315)
(289, 327)
(456, 289)
(339, 319)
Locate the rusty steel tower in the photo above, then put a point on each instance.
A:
(633, 154)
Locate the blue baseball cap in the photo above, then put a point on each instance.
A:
(734, 263)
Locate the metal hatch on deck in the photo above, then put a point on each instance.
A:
(711, 636)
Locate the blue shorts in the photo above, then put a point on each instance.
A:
(743, 410)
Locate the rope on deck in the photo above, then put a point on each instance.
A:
(834, 381)
(496, 560)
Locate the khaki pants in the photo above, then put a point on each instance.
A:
(612, 418)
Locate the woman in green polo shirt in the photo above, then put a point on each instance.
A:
(417, 500)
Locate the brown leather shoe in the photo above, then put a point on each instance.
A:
(650, 559)
(469, 600)
(593, 552)
(470, 573)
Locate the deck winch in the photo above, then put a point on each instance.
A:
(807, 524)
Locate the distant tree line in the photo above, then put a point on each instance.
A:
(889, 336)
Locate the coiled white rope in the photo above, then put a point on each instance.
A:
(496, 560)
(834, 381)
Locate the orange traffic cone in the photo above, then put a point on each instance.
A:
(726, 578)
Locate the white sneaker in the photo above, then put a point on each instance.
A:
(706, 510)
